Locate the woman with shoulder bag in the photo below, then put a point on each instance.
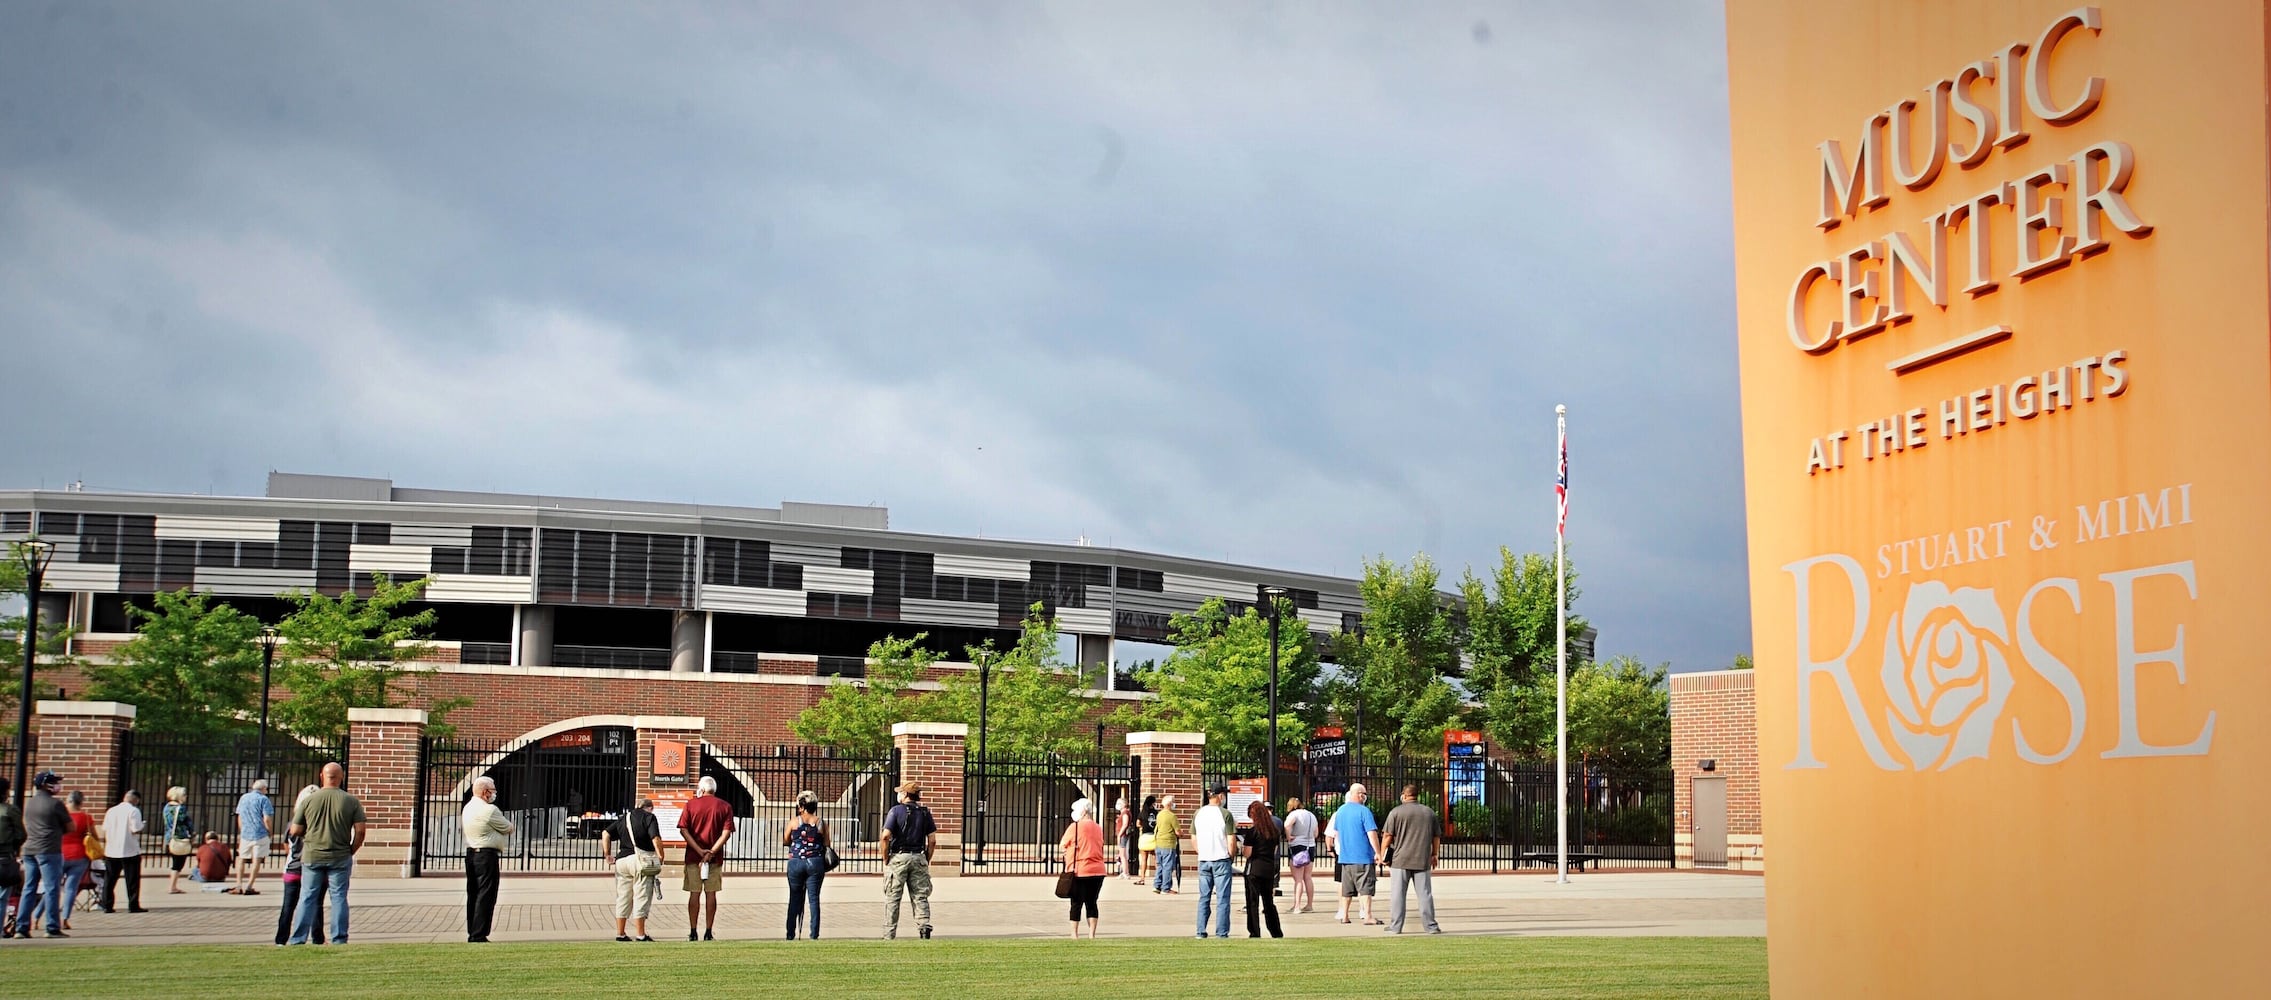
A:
(632, 843)
(76, 856)
(1083, 848)
(811, 856)
(180, 830)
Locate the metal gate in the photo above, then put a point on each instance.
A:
(213, 775)
(761, 783)
(559, 793)
(1014, 808)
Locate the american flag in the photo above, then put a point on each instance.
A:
(1561, 486)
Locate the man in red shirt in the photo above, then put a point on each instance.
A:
(706, 824)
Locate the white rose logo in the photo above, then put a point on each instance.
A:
(1946, 673)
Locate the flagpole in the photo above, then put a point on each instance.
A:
(1561, 655)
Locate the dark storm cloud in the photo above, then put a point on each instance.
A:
(1290, 285)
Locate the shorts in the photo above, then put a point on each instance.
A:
(692, 880)
(254, 848)
(1357, 880)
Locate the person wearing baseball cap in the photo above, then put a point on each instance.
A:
(45, 821)
(910, 837)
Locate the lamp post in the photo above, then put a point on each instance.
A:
(35, 555)
(1269, 782)
(267, 641)
(985, 675)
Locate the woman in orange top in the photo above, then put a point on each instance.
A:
(1083, 847)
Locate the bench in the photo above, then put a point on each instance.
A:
(1577, 859)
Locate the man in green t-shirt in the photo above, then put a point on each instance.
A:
(330, 826)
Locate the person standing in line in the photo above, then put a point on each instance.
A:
(1083, 849)
(256, 813)
(707, 824)
(332, 825)
(1211, 833)
(808, 842)
(1145, 818)
(76, 857)
(122, 850)
(1410, 841)
(486, 831)
(180, 832)
(1355, 839)
(1124, 835)
(633, 846)
(11, 871)
(45, 823)
(1301, 854)
(1167, 841)
(1265, 839)
(291, 883)
(910, 837)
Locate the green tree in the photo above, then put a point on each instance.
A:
(348, 652)
(1033, 697)
(1619, 713)
(1399, 671)
(856, 718)
(1510, 621)
(192, 669)
(1217, 680)
(1742, 662)
(54, 638)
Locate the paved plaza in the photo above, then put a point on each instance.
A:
(754, 907)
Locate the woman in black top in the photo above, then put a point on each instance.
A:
(630, 843)
(1263, 838)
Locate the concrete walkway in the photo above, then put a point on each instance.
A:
(754, 907)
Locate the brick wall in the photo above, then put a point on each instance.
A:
(1715, 717)
(79, 740)
(382, 772)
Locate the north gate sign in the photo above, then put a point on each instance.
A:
(2004, 284)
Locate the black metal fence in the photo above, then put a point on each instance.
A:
(1016, 807)
(213, 776)
(1618, 817)
(8, 759)
(558, 797)
(761, 783)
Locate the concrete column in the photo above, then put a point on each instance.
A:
(686, 634)
(934, 753)
(1173, 765)
(382, 772)
(535, 636)
(1095, 652)
(79, 740)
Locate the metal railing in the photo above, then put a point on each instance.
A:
(761, 783)
(1016, 807)
(558, 799)
(214, 775)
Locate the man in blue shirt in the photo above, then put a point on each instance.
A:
(1355, 838)
(255, 814)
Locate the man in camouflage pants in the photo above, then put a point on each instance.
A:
(910, 837)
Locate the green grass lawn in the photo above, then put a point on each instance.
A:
(1447, 966)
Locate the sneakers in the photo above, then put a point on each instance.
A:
(693, 935)
(925, 932)
(708, 936)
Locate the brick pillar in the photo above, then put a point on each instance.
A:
(79, 740)
(382, 771)
(684, 730)
(1172, 765)
(934, 753)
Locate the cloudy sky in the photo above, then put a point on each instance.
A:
(1287, 284)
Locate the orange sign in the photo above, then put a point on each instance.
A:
(669, 763)
(2002, 305)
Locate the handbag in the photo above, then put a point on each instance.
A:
(650, 863)
(833, 859)
(179, 847)
(1064, 884)
(1301, 857)
(94, 846)
(1147, 842)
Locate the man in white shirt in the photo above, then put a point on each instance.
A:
(1301, 853)
(122, 851)
(1211, 831)
(486, 830)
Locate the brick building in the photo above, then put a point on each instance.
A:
(1715, 803)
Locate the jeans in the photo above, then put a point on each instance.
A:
(316, 881)
(1214, 892)
(1425, 881)
(287, 909)
(1163, 874)
(74, 876)
(43, 883)
(805, 875)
